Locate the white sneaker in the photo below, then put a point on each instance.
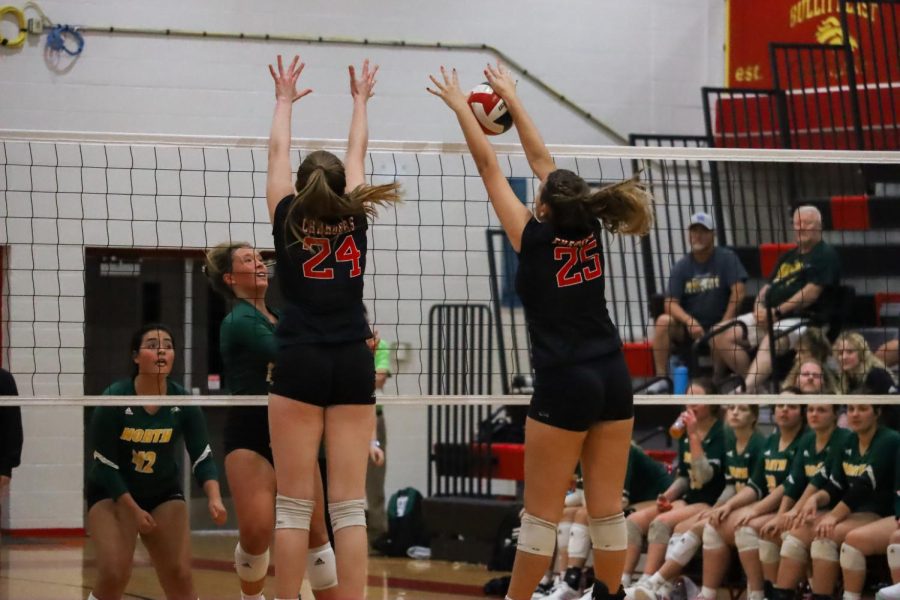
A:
(644, 591)
(888, 593)
(563, 592)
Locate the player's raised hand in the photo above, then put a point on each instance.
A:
(363, 87)
(447, 89)
(501, 80)
(286, 80)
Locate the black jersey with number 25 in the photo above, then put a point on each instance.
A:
(321, 278)
(561, 281)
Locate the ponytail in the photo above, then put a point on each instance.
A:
(624, 207)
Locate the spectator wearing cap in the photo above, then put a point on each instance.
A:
(705, 287)
(798, 286)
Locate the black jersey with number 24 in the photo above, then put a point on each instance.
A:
(321, 278)
(561, 281)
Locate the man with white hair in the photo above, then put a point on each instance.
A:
(799, 283)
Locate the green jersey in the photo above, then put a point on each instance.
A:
(714, 449)
(808, 461)
(135, 451)
(738, 465)
(897, 487)
(247, 345)
(863, 481)
(645, 478)
(775, 465)
(821, 266)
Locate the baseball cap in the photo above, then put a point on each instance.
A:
(704, 219)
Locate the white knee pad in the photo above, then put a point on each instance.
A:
(349, 513)
(579, 545)
(746, 539)
(563, 531)
(634, 534)
(824, 550)
(673, 541)
(576, 498)
(292, 513)
(893, 556)
(794, 549)
(769, 552)
(711, 538)
(321, 568)
(851, 558)
(659, 532)
(609, 533)
(536, 536)
(685, 549)
(250, 567)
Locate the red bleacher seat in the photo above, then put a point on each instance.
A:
(850, 213)
(639, 358)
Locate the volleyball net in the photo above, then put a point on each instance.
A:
(103, 233)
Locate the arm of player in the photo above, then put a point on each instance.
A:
(536, 152)
(361, 90)
(104, 434)
(512, 213)
(196, 439)
(279, 182)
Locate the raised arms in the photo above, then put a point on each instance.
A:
(279, 180)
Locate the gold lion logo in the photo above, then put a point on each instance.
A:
(830, 33)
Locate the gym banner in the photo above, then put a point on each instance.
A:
(753, 24)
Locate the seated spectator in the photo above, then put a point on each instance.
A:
(813, 343)
(698, 484)
(889, 353)
(705, 288)
(812, 378)
(854, 488)
(861, 372)
(799, 284)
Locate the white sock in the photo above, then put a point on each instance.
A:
(258, 596)
(756, 595)
(656, 581)
(626, 579)
(851, 595)
(708, 593)
(91, 596)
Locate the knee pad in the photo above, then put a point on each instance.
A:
(563, 531)
(794, 549)
(851, 558)
(659, 532)
(685, 549)
(893, 556)
(746, 539)
(536, 536)
(633, 533)
(349, 513)
(610, 533)
(292, 513)
(824, 550)
(576, 498)
(673, 541)
(321, 568)
(711, 538)
(250, 567)
(579, 544)
(768, 552)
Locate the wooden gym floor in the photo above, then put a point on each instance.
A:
(63, 569)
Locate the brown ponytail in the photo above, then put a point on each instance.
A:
(320, 191)
(624, 207)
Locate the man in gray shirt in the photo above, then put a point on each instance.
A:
(705, 288)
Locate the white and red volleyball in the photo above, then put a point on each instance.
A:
(490, 110)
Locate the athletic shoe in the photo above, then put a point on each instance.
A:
(543, 590)
(563, 592)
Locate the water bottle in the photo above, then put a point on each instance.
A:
(680, 379)
(676, 430)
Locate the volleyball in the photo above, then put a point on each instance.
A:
(490, 110)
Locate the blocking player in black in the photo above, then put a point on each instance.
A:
(247, 345)
(324, 377)
(134, 484)
(582, 403)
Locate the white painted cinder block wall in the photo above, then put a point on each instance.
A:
(637, 65)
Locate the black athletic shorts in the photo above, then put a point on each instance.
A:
(325, 374)
(577, 396)
(247, 428)
(94, 494)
